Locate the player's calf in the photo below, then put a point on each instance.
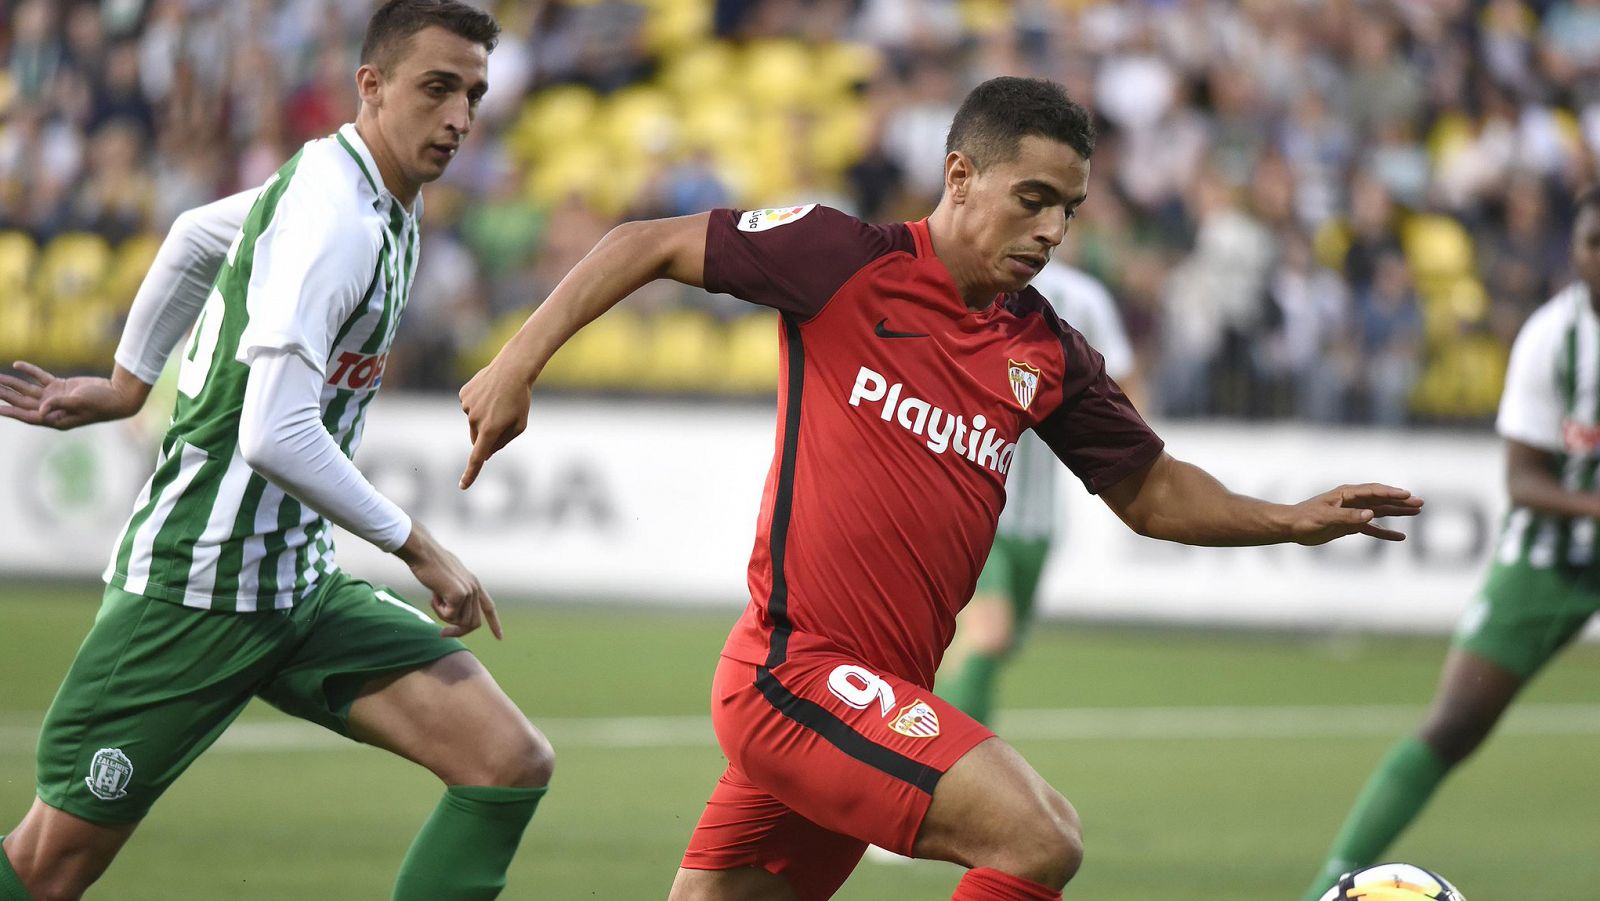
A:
(55, 855)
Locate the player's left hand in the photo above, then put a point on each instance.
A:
(37, 397)
(496, 402)
(1349, 509)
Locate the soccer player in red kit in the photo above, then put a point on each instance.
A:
(913, 357)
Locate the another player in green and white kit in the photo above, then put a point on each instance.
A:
(223, 586)
(992, 625)
(1543, 585)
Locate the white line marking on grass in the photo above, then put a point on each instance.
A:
(19, 732)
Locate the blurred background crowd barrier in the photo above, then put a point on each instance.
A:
(1331, 211)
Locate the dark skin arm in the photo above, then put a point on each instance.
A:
(1177, 501)
(1531, 482)
(630, 256)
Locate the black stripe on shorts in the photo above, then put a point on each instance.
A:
(839, 734)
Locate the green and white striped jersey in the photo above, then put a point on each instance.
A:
(321, 268)
(1552, 402)
(1085, 304)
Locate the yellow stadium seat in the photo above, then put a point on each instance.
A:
(687, 352)
(715, 121)
(555, 117)
(1437, 248)
(778, 73)
(706, 68)
(640, 120)
(604, 356)
(132, 261)
(18, 254)
(840, 137)
(1462, 380)
(72, 269)
(841, 65)
(577, 169)
(752, 355)
(674, 24)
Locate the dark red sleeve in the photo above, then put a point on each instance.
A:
(1095, 431)
(797, 264)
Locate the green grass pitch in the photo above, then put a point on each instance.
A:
(1204, 765)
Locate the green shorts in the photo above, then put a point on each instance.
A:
(155, 683)
(1523, 615)
(1012, 571)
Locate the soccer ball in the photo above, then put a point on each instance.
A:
(1393, 882)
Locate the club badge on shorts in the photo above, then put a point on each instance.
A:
(1024, 381)
(917, 720)
(109, 774)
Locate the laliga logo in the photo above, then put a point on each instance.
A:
(942, 430)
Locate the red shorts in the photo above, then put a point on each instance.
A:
(824, 756)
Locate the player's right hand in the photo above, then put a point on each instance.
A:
(496, 402)
(458, 597)
(39, 398)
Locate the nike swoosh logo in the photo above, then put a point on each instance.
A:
(882, 332)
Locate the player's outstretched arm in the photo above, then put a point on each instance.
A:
(1177, 501)
(166, 305)
(632, 255)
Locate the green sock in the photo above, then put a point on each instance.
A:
(972, 690)
(10, 883)
(1391, 799)
(464, 848)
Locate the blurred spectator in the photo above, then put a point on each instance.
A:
(1390, 336)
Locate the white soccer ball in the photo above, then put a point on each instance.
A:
(1393, 882)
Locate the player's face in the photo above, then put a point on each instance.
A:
(427, 101)
(1586, 247)
(1016, 212)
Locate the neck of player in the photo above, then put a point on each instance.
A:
(976, 293)
(389, 170)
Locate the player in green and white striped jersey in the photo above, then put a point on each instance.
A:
(223, 585)
(1543, 583)
(993, 623)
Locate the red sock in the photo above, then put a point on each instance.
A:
(985, 884)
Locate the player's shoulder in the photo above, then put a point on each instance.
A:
(331, 179)
(819, 221)
(1554, 316)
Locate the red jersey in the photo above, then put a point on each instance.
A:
(898, 415)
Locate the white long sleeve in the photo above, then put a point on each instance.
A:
(281, 436)
(173, 291)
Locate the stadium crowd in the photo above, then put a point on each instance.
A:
(1336, 210)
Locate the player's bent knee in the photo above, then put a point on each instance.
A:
(1054, 846)
(522, 760)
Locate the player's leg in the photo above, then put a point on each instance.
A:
(995, 814)
(991, 627)
(375, 668)
(1525, 617)
(152, 686)
(53, 854)
(983, 636)
(749, 846)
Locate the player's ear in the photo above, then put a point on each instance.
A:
(958, 173)
(369, 84)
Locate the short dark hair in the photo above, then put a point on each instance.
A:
(397, 20)
(999, 113)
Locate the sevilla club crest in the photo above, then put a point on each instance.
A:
(1024, 382)
(917, 720)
